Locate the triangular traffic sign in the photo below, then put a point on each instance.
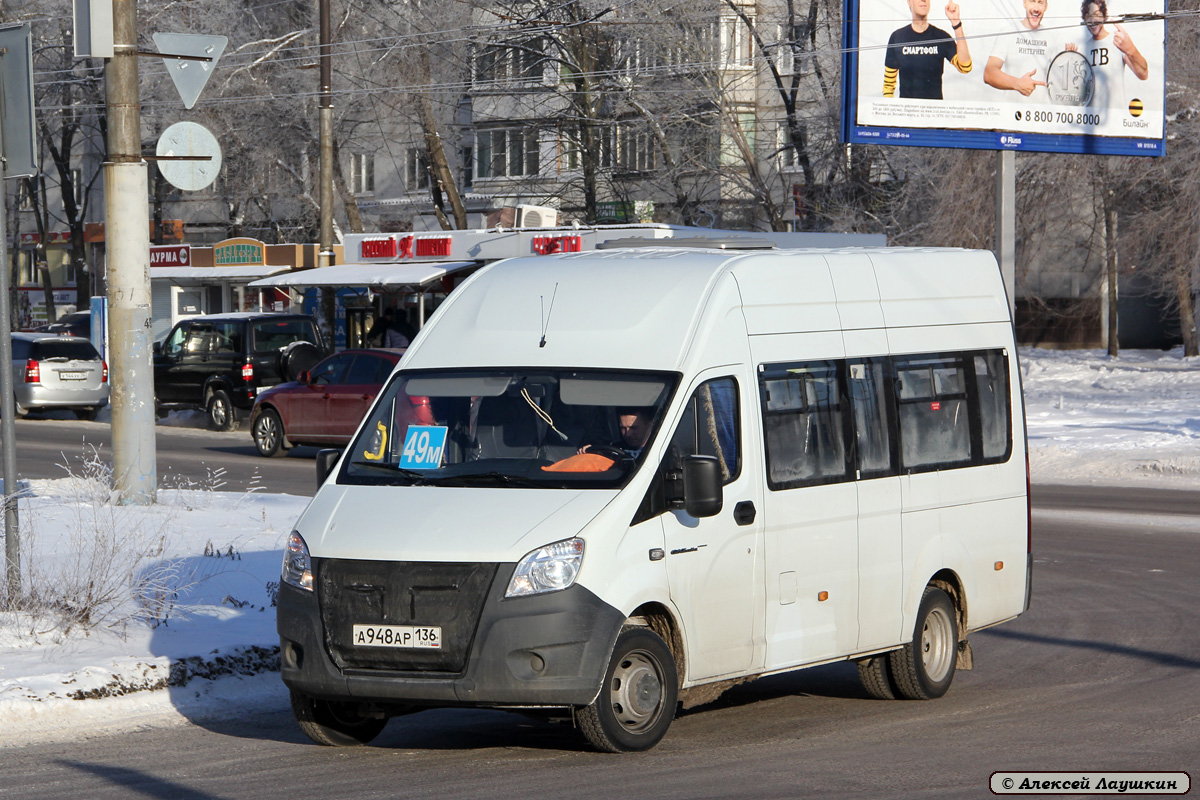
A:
(190, 76)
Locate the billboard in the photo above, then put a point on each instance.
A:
(1061, 76)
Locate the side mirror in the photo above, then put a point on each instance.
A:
(303, 377)
(158, 348)
(702, 496)
(326, 460)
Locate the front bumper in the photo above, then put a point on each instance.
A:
(545, 650)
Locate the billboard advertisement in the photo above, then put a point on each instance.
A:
(1062, 76)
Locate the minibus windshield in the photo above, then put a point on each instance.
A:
(543, 428)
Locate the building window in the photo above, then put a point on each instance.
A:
(695, 144)
(606, 137)
(416, 169)
(77, 186)
(737, 45)
(507, 153)
(521, 61)
(740, 130)
(566, 153)
(636, 149)
(783, 146)
(466, 166)
(29, 275)
(641, 55)
(362, 173)
(783, 51)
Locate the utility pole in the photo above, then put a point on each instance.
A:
(1006, 224)
(127, 225)
(12, 549)
(325, 257)
(1110, 252)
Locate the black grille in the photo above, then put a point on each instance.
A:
(450, 596)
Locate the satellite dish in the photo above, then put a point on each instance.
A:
(190, 140)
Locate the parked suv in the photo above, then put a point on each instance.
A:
(58, 372)
(219, 362)
(77, 323)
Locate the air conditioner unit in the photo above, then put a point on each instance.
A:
(536, 217)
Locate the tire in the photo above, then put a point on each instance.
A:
(334, 724)
(637, 700)
(876, 676)
(268, 434)
(86, 414)
(298, 357)
(221, 416)
(924, 668)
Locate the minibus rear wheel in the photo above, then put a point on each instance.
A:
(637, 700)
(924, 668)
(335, 724)
(876, 676)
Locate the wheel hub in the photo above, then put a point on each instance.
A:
(636, 691)
(937, 645)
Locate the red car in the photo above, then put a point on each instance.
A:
(325, 405)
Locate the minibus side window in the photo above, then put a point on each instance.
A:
(804, 422)
(709, 426)
(868, 398)
(935, 428)
(991, 382)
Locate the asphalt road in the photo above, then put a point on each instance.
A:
(1100, 674)
(186, 456)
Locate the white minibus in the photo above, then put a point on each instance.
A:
(600, 485)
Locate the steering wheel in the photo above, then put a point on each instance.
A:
(615, 453)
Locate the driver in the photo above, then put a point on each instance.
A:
(634, 425)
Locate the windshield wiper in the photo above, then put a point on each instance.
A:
(491, 477)
(417, 477)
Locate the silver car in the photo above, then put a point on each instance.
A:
(58, 372)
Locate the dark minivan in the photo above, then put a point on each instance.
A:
(220, 362)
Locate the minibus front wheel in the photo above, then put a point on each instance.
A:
(637, 701)
(335, 724)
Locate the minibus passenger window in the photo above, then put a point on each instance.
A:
(935, 426)
(867, 396)
(804, 423)
(991, 380)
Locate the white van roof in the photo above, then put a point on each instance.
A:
(638, 308)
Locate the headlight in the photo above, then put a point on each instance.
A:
(297, 565)
(547, 569)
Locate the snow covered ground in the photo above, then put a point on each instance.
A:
(171, 654)
(1093, 419)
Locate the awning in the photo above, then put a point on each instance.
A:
(203, 276)
(373, 276)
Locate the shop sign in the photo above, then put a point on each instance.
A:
(176, 255)
(378, 248)
(406, 247)
(625, 211)
(55, 237)
(545, 245)
(239, 253)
